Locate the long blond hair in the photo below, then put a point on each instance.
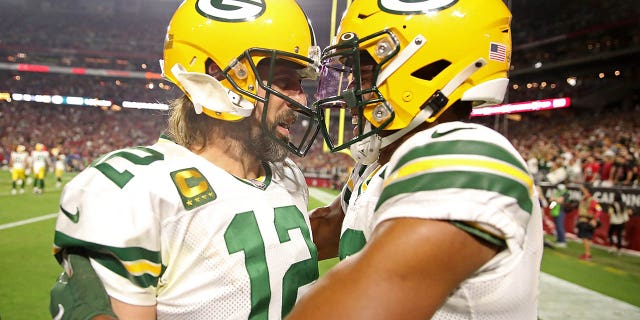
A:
(193, 131)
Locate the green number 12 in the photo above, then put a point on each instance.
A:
(244, 235)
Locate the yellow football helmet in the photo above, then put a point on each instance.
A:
(39, 147)
(236, 37)
(419, 54)
(20, 148)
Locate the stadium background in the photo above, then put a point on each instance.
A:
(83, 76)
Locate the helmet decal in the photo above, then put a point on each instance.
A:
(231, 10)
(414, 6)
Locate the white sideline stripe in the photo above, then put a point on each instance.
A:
(27, 221)
(563, 300)
(320, 195)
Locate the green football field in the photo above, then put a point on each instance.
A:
(28, 269)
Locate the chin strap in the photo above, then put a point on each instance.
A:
(207, 92)
(366, 151)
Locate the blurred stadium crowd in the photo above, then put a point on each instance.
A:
(585, 50)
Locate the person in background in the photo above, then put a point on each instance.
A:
(18, 163)
(558, 172)
(211, 221)
(574, 170)
(438, 212)
(607, 169)
(557, 210)
(59, 165)
(40, 163)
(618, 217)
(589, 211)
(591, 169)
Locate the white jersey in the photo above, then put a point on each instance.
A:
(19, 159)
(59, 165)
(359, 197)
(165, 226)
(472, 176)
(39, 159)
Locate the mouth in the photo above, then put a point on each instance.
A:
(282, 128)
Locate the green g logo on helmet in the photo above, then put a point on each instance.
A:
(231, 10)
(414, 6)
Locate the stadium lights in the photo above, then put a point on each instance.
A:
(519, 107)
(145, 105)
(56, 99)
(537, 105)
(79, 101)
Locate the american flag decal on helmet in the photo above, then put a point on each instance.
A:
(497, 52)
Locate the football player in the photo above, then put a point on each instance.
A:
(18, 164)
(441, 218)
(211, 221)
(40, 162)
(59, 165)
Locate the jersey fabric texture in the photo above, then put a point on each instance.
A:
(472, 176)
(165, 226)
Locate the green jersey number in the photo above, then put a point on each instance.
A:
(351, 242)
(122, 178)
(244, 235)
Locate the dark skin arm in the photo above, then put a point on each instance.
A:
(128, 311)
(406, 271)
(325, 225)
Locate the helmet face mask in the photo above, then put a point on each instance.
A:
(281, 79)
(427, 55)
(348, 79)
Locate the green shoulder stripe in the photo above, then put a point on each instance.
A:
(468, 147)
(141, 266)
(431, 181)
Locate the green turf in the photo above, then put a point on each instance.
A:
(609, 274)
(28, 268)
(313, 203)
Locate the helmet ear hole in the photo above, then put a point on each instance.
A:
(431, 70)
(213, 69)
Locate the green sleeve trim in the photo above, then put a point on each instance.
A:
(114, 258)
(481, 234)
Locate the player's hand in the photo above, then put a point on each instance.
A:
(79, 294)
(326, 223)
(320, 213)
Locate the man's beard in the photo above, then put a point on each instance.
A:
(266, 148)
